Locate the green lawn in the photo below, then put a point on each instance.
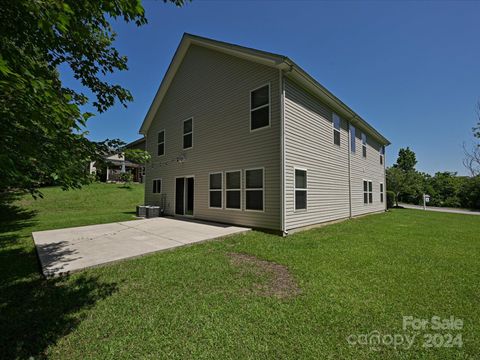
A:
(354, 277)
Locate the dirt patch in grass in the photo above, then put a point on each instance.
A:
(274, 279)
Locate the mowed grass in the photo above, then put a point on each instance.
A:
(356, 277)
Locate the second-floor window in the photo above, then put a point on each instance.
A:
(188, 133)
(364, 145)
(382, 154)
(352, 139)
(161, 143)
(336, 129)
(260, 108)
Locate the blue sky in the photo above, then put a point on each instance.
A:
(411, 69)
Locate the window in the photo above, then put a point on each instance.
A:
(254, 189)
(260, 108)
(367, 192)
(215, 190)
(157, 186)
(233, 180)
(300, 189)
(161, 143)
(188, 133)
(352, 139)
(336, 129)
(364, 145)
(382, 154)
(381, 192)
(370, 192)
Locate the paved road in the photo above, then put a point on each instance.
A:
(440, 209)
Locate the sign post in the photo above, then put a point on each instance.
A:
(426, 199)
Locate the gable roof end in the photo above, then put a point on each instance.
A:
(291, 69)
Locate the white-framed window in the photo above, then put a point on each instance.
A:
(260, 107)
(381, 192)
(364, 145)
(353, 145)
(233, 189)
(161, 143)
(157, 186)
(254, 189)
(300, 189)
(215, 190)
(367, 192)
(336, 129)
(187, 134)
(382, 154)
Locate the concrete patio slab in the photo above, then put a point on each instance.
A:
(68, 250)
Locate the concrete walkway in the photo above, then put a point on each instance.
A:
(441, 209)
(68, 250)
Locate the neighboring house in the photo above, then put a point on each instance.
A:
(247, 137)
(116, 164)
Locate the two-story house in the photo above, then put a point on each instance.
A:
(247, 137)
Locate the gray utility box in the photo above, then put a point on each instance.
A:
(141, 210)
(153, 211)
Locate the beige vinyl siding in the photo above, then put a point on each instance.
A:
(309, 145)
(369, 169)
(214, 89)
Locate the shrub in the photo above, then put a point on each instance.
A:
(127, 178)
(390, 199)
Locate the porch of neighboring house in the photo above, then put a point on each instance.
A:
(116, 166)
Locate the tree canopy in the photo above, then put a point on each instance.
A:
(42, 127)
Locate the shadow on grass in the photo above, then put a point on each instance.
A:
(35, 312)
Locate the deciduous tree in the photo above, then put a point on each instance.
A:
(42, 125)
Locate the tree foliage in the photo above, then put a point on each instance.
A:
(446, 189)
(407, 160)
(472, 154)
(42, 126)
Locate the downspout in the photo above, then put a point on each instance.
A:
(349, 147)
(282, 149)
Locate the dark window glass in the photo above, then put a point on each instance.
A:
(254, 179)
(233, 199)
(157, 186)
(216, 199)
(365, 186)
(187, 141)
(259, 97)
(365, 198)
(370, 186)
(300, 179)
(300, 199)
(216, 181)
(187, 126)
(370, 198)
(336, 122)
(161, 136)
(254, 200)
(161, 149)
(381, 159)
(233, 180)
(364, 151)
(336, 137)
(260, 118)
